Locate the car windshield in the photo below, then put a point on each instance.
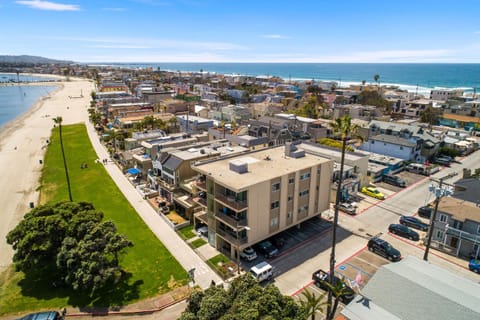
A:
(375, 191)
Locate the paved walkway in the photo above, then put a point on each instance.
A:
(177, 247)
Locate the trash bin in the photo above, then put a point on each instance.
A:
(40, 161)
(31, 205)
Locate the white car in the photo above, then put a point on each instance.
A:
(248, 254)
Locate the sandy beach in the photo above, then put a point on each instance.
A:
(22, 146)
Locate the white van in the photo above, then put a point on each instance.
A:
(262, 271)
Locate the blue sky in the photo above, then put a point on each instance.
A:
(243, 30)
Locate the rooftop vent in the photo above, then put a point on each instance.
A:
(292, 151)
(238, 166)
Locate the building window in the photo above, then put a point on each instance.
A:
(478, 229)
(289, 214)
(290, 198)
(303, 193)
(373, 141)
(274, 222)
(275, 186)
(303, 210)
(305, 176)
(440, 234)
(401, 147)
(291, 180)
(443, 218)
(274, 205)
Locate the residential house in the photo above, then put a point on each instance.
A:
(457, 227)
(194, 124)
(253, 196)
(445, 94)
(357, 111)
(404, 141)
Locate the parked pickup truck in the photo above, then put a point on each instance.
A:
(320, 277)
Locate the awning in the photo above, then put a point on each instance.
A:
(133, 171)
(463, 235)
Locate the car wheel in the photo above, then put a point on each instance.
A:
(410, 238)
(370, 249)
(390, 258)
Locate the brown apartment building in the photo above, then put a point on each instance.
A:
(251, 197)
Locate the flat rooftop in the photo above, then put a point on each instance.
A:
(263, 165)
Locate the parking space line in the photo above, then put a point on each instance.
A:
(301, 244)
(359, 269)
(368, 262)
(354, 254)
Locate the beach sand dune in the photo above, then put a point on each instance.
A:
(22, 146)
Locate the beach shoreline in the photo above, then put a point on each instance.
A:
(23, 144)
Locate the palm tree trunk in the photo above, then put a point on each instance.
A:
(330, 310)
(65, 162)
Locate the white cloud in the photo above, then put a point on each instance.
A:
(119, 46)
(275, 36)
(47, 5)
(154, 43)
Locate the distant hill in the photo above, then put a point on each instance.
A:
(25, 59)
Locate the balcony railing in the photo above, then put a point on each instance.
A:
(231, 202)
(232, 221)
(202, 185)
(231, 237)
(200, 214)
(166, 185)
(200, 201)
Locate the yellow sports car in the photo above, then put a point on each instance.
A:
(373, 192)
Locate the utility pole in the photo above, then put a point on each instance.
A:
(439, 193)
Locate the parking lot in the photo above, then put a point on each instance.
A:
(409, 177)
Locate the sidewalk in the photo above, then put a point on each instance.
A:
(177, 247)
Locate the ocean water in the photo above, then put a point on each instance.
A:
(419, 77)
(17, 99)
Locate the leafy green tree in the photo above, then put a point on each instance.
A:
(344, 129)
(430, 115)
(91, 261)
(149, 121)
(373, 98)
(311, 303)
(71, 240)
(58, 120)
(244, 299)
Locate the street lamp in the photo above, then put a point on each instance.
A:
(439, 193)
(239, 228)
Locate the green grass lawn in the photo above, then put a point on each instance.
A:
(220, 263)
(197, 243)
(150, 268)
(187, 232)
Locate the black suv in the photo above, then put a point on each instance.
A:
(394, 180)
(267, 249)
(403, 231)
(383, 248)
(425, 212)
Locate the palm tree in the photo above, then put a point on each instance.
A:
(58, 120)
(376, 77)
(344, 129)
(337, 291)
(312, 303)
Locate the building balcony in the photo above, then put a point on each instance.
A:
(231, 237)
(201, 214)
(200, 201)
(165, 185)
(230, 220)
(231, 202)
